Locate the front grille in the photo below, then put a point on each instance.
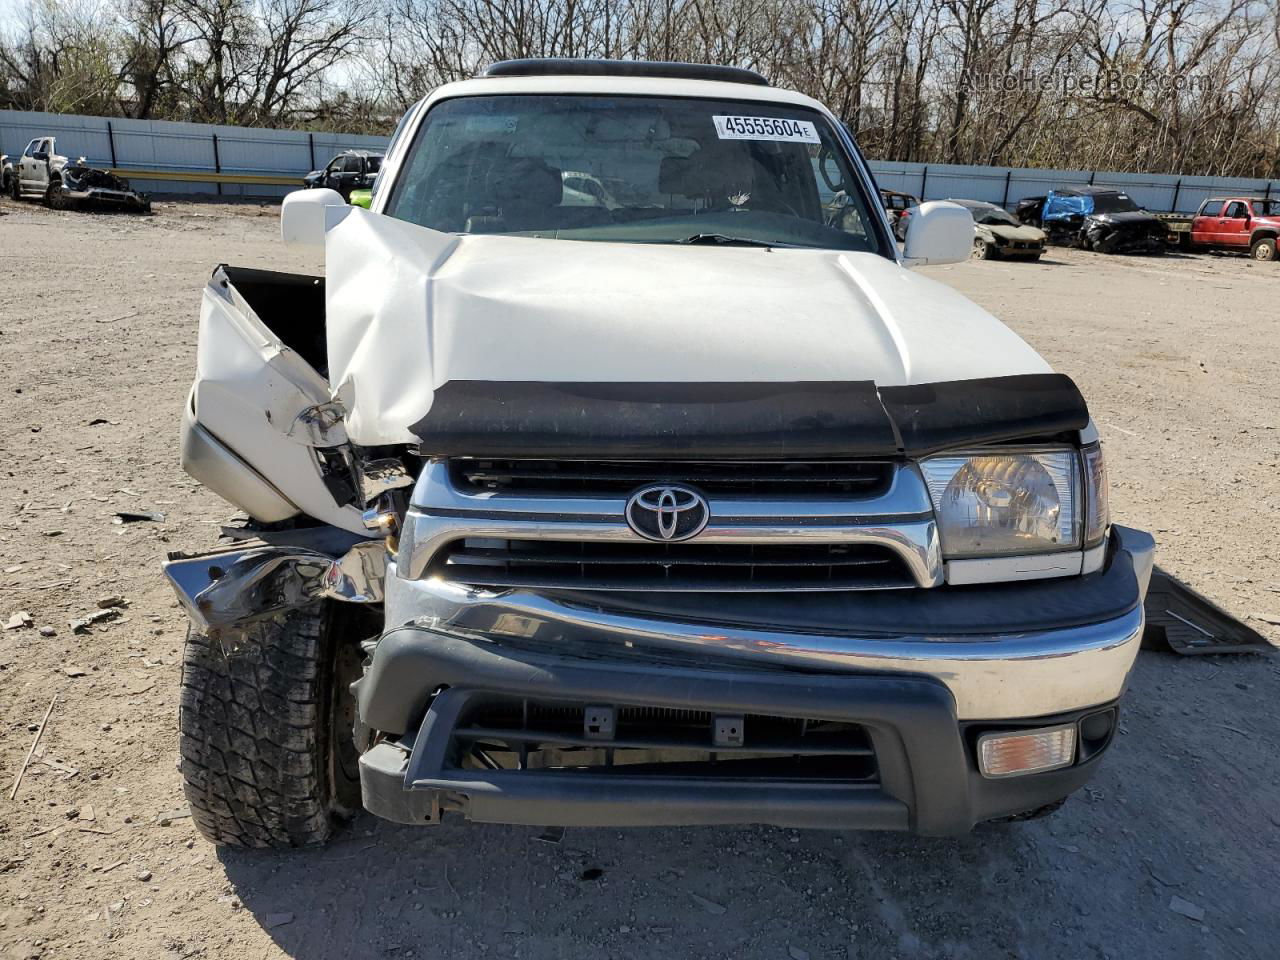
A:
(583, 565)
(518, 734)
(852, 478)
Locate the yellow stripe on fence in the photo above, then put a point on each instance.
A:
(209, 176)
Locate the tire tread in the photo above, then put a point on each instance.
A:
(251, 733)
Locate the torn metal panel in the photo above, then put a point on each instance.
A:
(410, 309)
(83, 183)
(232, 587)
(263, 401)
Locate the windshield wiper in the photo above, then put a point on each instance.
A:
(720, 238)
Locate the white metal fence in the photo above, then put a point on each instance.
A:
(199, 158)
(186, 157)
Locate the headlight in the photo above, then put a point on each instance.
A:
(1002, 502)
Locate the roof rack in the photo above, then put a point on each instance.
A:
(583, 67)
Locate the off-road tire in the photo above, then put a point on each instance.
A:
(1263, 248)
(257, 733)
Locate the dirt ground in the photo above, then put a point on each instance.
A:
(1180, 361)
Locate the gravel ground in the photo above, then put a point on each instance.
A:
(1179, 360)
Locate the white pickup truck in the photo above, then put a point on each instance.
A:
(41, 173)
(695, 507)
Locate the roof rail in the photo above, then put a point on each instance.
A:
(583, 67)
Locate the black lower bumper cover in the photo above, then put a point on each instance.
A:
(928, 782)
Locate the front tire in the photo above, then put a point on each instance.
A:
(983, 250)
(262, 747)
(1263, 249)
(55, 198)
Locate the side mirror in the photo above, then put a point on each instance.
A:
(938, 232)
(302, 216)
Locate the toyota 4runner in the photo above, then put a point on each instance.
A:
(698, 506)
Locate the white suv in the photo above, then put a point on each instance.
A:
(692, 506)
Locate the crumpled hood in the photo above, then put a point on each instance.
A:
(409, 309)
(1128, 218)
(1023, 233)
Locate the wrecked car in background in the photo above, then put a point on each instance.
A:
(796, 536)
(996, 234)
(1103, 220)
(63, 184)
(348, 171)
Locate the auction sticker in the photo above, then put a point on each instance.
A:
(766, 128)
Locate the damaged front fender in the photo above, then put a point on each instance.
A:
(233, 587)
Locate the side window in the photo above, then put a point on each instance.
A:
(31, 149)
(1236, 211)
(1209, 208)
(335, 165)
(352, 165)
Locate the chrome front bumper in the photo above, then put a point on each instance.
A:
(1001, 675)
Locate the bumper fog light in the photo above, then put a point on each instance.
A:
(1026, 751)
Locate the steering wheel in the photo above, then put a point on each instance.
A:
(836, 184)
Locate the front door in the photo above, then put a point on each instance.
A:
(1234, 224)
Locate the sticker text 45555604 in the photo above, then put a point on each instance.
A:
(766, 128)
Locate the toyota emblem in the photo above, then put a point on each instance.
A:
(667, 514)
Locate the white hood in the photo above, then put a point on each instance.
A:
(409, 309)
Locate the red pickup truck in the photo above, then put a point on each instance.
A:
(1240, 223)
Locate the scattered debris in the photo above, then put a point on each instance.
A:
(136, 516)
(73, 672)
(276, 920)
(19, 620)
(591, 873)
(98, 421)
(143, 875)
(551, 835)
(167, 818)
(35, 742)
(795, 953)
(1186, 622)
(86, 813)
(111, 866)
(1186, 908)
(1270, 618)
(84, 623)
(105, 603)
(123, 316)
(708, 905)
(48, 632)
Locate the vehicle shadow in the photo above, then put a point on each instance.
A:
(1094, 879)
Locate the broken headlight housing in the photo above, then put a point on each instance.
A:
(1007, 501)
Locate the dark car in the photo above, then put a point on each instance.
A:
(895, 204)
(350, 170)
(1029, 210)
(1102, 219)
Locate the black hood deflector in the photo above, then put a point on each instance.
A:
(742, 421)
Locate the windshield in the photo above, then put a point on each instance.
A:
(995, 218)
(1113, 203)
(638, 169)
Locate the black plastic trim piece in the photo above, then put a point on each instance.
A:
(936, 416)
(929, 781)
(737, 421)
(589, 67)
(694, 421)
